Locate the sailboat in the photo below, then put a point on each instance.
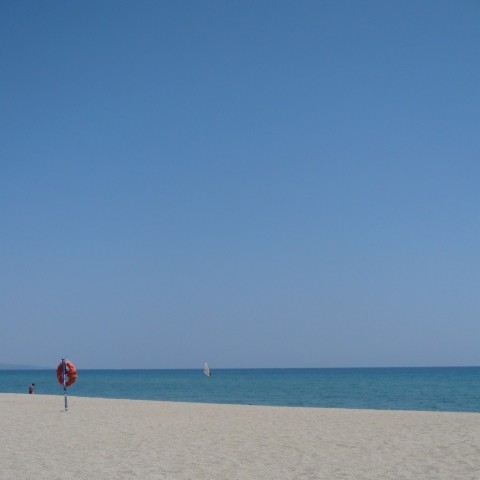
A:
(206, 370)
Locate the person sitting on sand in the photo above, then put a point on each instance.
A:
(31, 388)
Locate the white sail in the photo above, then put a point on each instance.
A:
(206, 370)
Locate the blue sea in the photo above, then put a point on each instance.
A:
(453, 389)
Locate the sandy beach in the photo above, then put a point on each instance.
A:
(128, 439)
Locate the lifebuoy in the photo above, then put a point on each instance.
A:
(70, 373)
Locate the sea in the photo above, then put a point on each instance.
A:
(448, 389)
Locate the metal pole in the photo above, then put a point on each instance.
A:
(64, 373)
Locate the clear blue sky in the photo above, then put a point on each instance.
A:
(256, 184)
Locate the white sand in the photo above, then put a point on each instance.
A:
(130, 439)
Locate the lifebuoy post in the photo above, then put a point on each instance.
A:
(64, 374)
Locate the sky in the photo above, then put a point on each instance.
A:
(248, 183)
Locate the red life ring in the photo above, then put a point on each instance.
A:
(70, 373)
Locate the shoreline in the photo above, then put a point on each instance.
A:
(149, 439)
(175, 402)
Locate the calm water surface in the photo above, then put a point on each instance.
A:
(435, 389)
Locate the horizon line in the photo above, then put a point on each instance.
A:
(7, 367)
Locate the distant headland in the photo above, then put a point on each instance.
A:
(10, 366)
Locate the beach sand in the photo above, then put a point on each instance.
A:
(130, 439)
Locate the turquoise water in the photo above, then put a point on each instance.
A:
(435, 389)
